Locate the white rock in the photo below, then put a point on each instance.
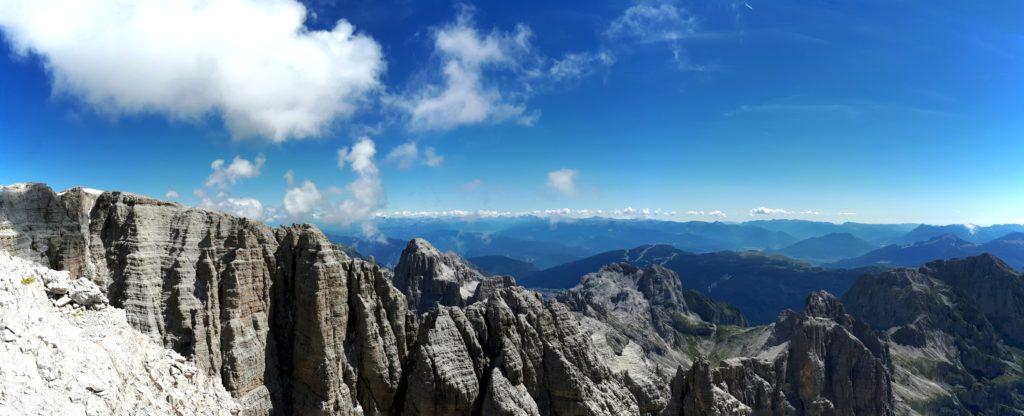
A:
(62, 302)
(84, 292)
(89, 362)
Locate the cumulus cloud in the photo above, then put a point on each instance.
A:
(366, 193)
(252, 62)
(222, 175)
(289, 177)
(172, 194)
(243, 207)
(767, 211)
(301, 200)
(465, 96)
(563, 181)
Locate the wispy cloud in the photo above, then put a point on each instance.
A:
(791, 105)
(172, 194)
(578, 65)
(653, 22)
(472, 186)
(407, 155)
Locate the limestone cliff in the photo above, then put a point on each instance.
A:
(429, 277)
(289, 324)
(955, 330)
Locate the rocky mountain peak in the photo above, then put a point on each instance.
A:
(428, 277)
(822, 304)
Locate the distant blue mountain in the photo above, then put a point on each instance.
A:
(878, 234)
(1009, 248)
(502, 266)
(602, 234)
(759, 285)
(827, 248)
(546, 243)
(966, 232)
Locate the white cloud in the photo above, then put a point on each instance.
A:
(301, 200)
(810, 212)
(467, 57)
(239, 168)
(172, 194)
(715, 213)
(767, 211)
(252, 62)
(408, 154)
(289, 177)
(404, 155)
(243, 207)
(649, 22)
(574, 66)
(563, 181)
(342, 156)
(473, 185)
(847, 214)
(366, 193)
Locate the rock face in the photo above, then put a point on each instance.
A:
(818, 362)
(39, 225)
(72, 360)
(289, 324)
(507, 352)
(953, 325)
(645, 306)
(428, 277)
(284, 321)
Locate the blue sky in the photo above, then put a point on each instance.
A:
(895, 111)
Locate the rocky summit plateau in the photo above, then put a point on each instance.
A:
(114, 303)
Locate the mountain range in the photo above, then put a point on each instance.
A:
(1009, 248)
(827, 248)
(546, 242)
(759, 285)
(288, 323)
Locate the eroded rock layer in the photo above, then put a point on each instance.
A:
(289, 324)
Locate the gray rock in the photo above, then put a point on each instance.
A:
(84, 292)
(427, 277)
(291, 325)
